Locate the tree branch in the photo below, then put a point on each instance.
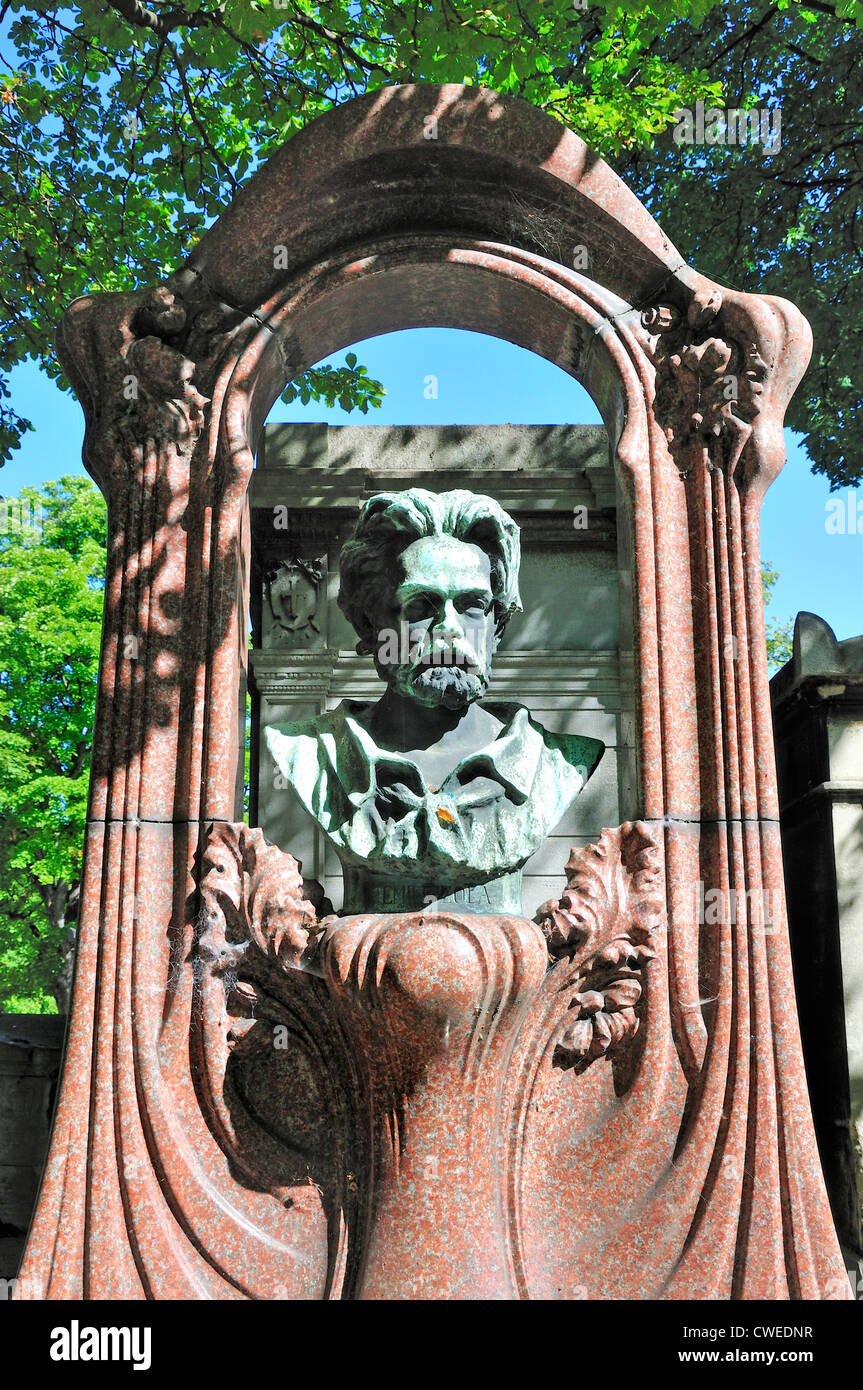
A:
(164, 22)
(201, 129)
(748, 34)
(828, 9)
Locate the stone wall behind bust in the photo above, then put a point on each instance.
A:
(567, 657)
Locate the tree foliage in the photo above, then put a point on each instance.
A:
(51, 593)
(787, 223)
(779, 635)
(127, 127)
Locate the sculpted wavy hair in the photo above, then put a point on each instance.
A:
(391, 521)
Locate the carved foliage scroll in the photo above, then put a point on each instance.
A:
(708, 387)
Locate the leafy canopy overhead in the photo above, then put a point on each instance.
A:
(127, 128)
(787, 223)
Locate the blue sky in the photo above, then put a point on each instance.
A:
(484, 380)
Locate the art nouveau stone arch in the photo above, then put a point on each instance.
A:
(148, 1190)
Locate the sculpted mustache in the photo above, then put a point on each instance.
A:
(441, 655)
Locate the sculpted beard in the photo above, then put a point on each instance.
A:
(451, 686)
(454, 677)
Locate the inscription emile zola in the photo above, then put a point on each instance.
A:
(432, 794)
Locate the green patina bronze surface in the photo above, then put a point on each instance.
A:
(433, 796)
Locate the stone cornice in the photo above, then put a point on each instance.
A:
(339, 674)
(533, 467)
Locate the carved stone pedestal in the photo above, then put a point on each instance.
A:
(433, 1006)
(427, 1071)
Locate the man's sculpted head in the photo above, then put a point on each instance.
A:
(429, 582)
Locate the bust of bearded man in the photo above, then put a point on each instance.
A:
(432, 794)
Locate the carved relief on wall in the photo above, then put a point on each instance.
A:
(296, 599)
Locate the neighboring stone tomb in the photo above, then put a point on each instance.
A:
(818, 716)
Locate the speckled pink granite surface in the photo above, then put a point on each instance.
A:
(684, 1168)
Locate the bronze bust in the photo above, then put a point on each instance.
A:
(432, 796)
